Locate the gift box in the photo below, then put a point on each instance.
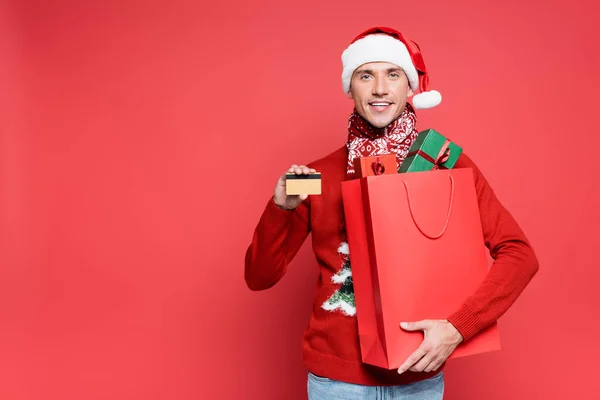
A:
(375, 165)
(416, 252)
(430, 151)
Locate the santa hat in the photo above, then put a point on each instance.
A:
(382, 44)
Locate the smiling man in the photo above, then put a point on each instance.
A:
(381, 71)
(380, 91)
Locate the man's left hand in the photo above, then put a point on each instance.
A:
(441, 338)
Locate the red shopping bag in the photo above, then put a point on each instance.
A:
(417, 252)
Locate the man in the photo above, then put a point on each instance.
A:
(381, 70)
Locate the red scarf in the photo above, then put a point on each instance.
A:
(365, 140)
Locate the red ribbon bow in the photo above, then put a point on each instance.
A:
(378, 167)
(442, 157)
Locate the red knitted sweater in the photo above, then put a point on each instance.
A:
(330, 345)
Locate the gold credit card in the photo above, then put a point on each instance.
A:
(303, 184)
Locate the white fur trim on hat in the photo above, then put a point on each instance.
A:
(428, 99)
(377, 48)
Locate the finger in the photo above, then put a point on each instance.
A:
(427, 363)
(435, 364)
(303, 197)
(297, 170)
(417, 325)
(440, 360)
(424, 362)
(305, 170)
(283, 177)
(413, 359)
(312, 170)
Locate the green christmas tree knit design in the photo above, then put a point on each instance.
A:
(343, 298)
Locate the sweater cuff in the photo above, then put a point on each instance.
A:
(276, 218)
(465, 320)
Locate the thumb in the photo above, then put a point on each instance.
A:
(417, 325)
(303, 197)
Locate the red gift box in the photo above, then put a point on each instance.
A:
(416, 252)
(375, 165)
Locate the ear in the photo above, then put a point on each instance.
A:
(349, 94)
(409, 92)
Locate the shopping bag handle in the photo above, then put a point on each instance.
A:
(447, 216)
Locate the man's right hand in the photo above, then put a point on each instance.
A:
(281, 199)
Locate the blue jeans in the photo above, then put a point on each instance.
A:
(326, 389)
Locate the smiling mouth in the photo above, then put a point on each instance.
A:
(380, 105)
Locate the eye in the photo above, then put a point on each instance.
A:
(395, 75)
(365, 76)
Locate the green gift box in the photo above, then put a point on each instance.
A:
(430, 151)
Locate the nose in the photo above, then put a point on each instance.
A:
(380, 87)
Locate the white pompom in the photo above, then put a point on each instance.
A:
(427, 99)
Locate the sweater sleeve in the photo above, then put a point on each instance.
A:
(277, 239)
(514, 264)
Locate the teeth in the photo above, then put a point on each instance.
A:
(380, 104)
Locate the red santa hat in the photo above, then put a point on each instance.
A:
(382, 44)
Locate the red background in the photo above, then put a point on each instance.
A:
(141, 140)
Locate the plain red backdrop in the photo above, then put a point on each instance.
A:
(141, 140)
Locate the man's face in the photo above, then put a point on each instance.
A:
(379, 91)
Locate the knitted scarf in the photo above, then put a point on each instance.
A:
(365, 140)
